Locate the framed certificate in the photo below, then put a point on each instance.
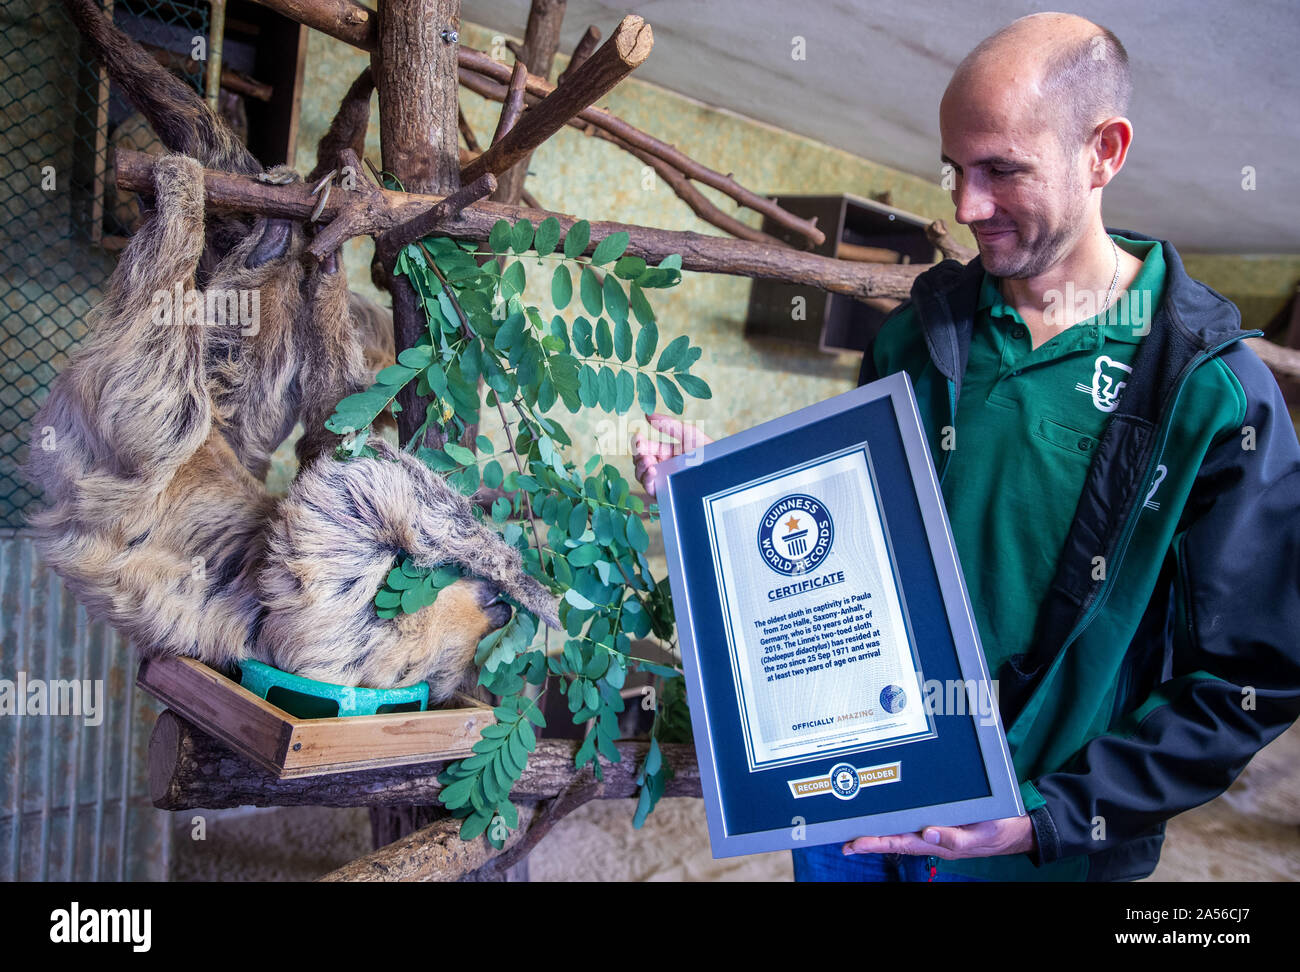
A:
(834, 672)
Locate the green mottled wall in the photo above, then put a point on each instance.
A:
(575, 174)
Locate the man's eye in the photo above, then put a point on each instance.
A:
(1002, 172)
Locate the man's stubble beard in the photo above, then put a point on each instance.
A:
(1044, 252)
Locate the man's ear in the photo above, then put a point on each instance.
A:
(1110, 144)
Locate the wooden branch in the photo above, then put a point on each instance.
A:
(481, 63)
(541, 41)
(348, 129)
(625, 51)
(682, 186)
(346, 20)
(866, 254)
(435, 853)
(511, 107)
(937, 233)
(547, 815)
(205, 773)
(433, 220)
(231, 79)
(709, 254)
(471, 142)
(581, 52)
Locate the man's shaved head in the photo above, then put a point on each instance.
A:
(1033, 127)
(1079, 71)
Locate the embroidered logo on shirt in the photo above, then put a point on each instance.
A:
(1153, 504)
(1106, 385)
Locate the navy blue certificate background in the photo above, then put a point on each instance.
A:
(941, 770)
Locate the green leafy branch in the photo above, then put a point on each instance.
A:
(586, 520)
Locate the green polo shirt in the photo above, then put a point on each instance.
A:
(1027, 424)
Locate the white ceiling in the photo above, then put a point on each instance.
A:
(1216, 88)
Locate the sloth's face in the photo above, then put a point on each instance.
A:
(438, 642)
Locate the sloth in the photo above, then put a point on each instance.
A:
(151, 446)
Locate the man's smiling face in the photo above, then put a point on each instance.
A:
(1022, 198)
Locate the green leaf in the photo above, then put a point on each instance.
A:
(646, 342)
(672, 354)
(576, 240)
(630, 267)
(499, 238)
(637, 537)
(577, 600)
(640, 306)
(548, 235)
(577, 524)
(604, 340)
(625, 392)
(610, 248)
(645, 392)
(584, 556)
(607, 388)
(514, 279)
(671, 396)
(587, 390)
(521, 237)
(509, 813)
(492, 474)
(590, 292)
(615, 299)
(457, 794)
(484, 445)
(695, 387)
(561, 287)
(582, 338)
(458, 452)
(622, 339)
(476, 823)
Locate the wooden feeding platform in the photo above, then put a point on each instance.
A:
(290, 747)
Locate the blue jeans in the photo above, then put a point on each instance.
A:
(826, 863)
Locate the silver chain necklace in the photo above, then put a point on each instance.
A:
(1113, 280)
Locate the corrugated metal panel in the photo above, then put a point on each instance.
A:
(74, 797)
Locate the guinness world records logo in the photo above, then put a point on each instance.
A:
(795, 534)
(845, 782)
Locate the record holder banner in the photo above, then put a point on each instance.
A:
(833, 670)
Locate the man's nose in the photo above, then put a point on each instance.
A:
(974, 203)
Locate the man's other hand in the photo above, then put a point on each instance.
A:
(1010, 835)
(647, 455)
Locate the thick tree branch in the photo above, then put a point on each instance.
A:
(192, 770)
(708, 254)
(434, 853)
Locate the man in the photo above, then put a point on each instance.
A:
(1121, 476)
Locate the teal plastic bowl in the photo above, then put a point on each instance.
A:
(307, 698)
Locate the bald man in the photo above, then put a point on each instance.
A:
(1121, 476)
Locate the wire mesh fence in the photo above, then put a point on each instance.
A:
(61, 223)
